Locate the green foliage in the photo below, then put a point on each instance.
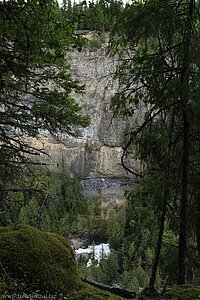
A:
(98, 16)
(95, 44)
(53, 202)
(88, 148)
(35, 96)
(116, 227)
(160, 72)
(105, 272)
(36, 84)
(47, 200)
(95, 222)
(128, 263)
(130, 282)
(41, 259)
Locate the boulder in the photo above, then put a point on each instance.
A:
(37, 264)
(38, 259)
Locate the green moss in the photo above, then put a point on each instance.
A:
(42, 259)
(90, 293)
(185, 292)
(42, 263)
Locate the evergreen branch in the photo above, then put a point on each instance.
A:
(134, 133)
(195, 136)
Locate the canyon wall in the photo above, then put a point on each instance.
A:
(94, 156)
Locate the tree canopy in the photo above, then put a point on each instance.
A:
(35, 80)
(159, 42)
(35, 85)
(99, 15)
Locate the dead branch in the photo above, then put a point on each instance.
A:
(115, 290)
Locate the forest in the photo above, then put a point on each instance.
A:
(155, 239)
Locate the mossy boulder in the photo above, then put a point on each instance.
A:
(184, 292)
(33, 262)
(90, 293)
(40, 259)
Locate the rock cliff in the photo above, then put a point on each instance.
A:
(94, 156)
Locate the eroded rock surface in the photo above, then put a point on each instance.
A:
(95, 155)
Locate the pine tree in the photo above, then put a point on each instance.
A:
(160, 70)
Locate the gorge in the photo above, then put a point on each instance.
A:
(94, 155)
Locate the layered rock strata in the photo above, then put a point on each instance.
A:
(95, 155)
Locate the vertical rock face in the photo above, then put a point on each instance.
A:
(95, 70)
(94, 156)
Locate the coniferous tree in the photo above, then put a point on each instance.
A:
(35, 81)
(160, 68)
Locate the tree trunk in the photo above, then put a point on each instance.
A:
(2, 208)
(184, 97)
(197, 222)
(184, 200)
(120, 292)
(159, 242)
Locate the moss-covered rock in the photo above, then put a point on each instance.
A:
(184, 292)
(91, 293)
(41, 259)
(41, 263)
